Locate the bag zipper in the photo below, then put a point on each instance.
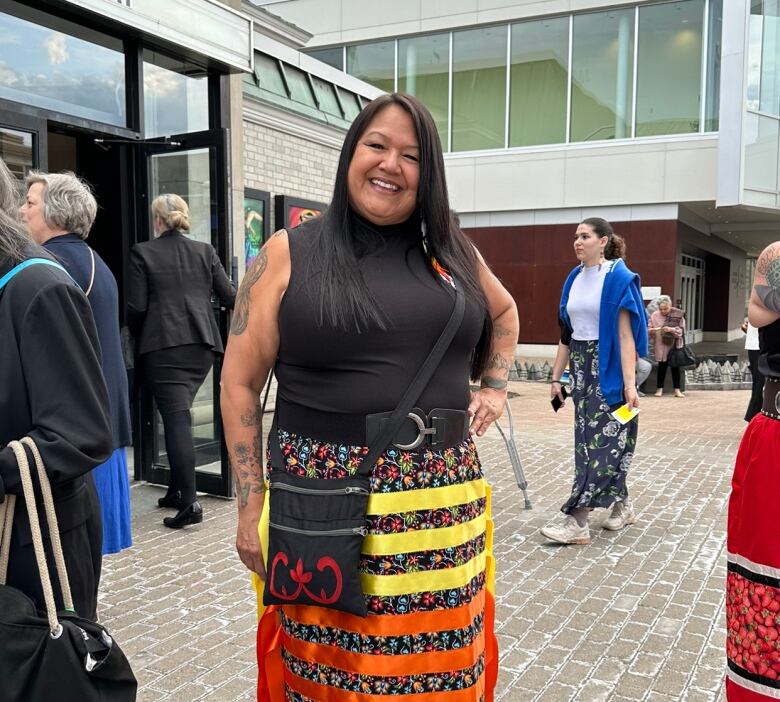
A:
(350, 490)
(362, 531)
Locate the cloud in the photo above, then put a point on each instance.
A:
(55, 45)
(8, 76)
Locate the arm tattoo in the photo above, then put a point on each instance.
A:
(241, 311)
(500, 332)
(252, 418)
(247, 462)
(498, 362)
(768, 266)
(488, 381)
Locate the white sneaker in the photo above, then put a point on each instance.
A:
(569, 532)
(622, 515)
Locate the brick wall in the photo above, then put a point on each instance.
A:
(283, 164)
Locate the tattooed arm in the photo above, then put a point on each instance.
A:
(488, 403)
(764, 307)
(250, 355)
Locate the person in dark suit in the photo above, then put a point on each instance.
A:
(59, 211)
(177, 337)
(52, 390)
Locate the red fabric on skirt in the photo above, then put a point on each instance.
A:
(753, 586)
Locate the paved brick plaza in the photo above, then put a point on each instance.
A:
(636, 615)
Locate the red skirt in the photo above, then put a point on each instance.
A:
(753, 584)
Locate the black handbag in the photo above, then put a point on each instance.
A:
(60, 656)
(681, 357)
(317, 526)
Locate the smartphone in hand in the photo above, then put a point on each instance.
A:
(556, 401)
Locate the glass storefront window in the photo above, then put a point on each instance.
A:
(762, 141)
(479, 88)
(539, 82)
(333, 56)
(602, 75)
(373, 63)
(423, 71)
(16, 149)
(60, 66)
(175, 96)
(714, 44)
(670, 44)
(764, 57)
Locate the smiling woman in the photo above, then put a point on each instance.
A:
(367, 289)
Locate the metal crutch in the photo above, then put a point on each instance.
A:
(514, 456)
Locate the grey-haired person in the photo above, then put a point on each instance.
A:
(59, 211)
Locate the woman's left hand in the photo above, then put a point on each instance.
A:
(632, 397)
(486, 406)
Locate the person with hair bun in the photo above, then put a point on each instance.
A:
(177, 337)
(603, 329)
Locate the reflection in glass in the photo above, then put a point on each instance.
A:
(373, 63)
(423, 71)
(715, 42)
(479, 89)
(333, 56)
(16, 149)
(54, 69)
(602, 75)
(188, 174)
(769, 42)
(670, 44)
(761, 150)
(175, 96)
(539, 82)
(350, 103)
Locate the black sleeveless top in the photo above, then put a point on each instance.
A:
(327, 369)
(769, 343)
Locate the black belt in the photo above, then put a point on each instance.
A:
(438, 429)
(771, 407)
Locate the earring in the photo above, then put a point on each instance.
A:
(601, 259)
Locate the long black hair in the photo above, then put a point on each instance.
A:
(344, 298)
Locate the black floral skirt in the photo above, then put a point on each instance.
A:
(603, 448)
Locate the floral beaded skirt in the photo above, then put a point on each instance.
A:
(427, 574)
(603, 448)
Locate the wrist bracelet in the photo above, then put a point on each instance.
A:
(556, 381)
(492, 383)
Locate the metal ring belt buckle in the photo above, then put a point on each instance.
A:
(421, 428)
(777, 403)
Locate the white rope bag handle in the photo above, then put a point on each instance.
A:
(35, 530)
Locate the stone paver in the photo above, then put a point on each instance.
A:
(636, 615)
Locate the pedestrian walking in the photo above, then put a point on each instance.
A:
(757, 387)
(667, 330)
(753, 539)
(603, 329)
(169, 311)
(347, 307)
(52, 391)
(59, 211)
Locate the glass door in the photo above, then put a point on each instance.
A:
(192, 166)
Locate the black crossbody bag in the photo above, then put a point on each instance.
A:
(317, 526)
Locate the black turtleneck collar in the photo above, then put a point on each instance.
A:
(409, 227)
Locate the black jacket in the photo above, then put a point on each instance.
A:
(169, 294)
(51, 388)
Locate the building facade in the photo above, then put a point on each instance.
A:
(659, 116)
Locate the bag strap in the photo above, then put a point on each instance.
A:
(6, 523)
(409, 398)
(92, 273)
(26, 264)
(35, 530)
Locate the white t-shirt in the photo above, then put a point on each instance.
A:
(751, 338)
(584, 305)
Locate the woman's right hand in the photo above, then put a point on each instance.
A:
(248, 545)
(556, 391)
